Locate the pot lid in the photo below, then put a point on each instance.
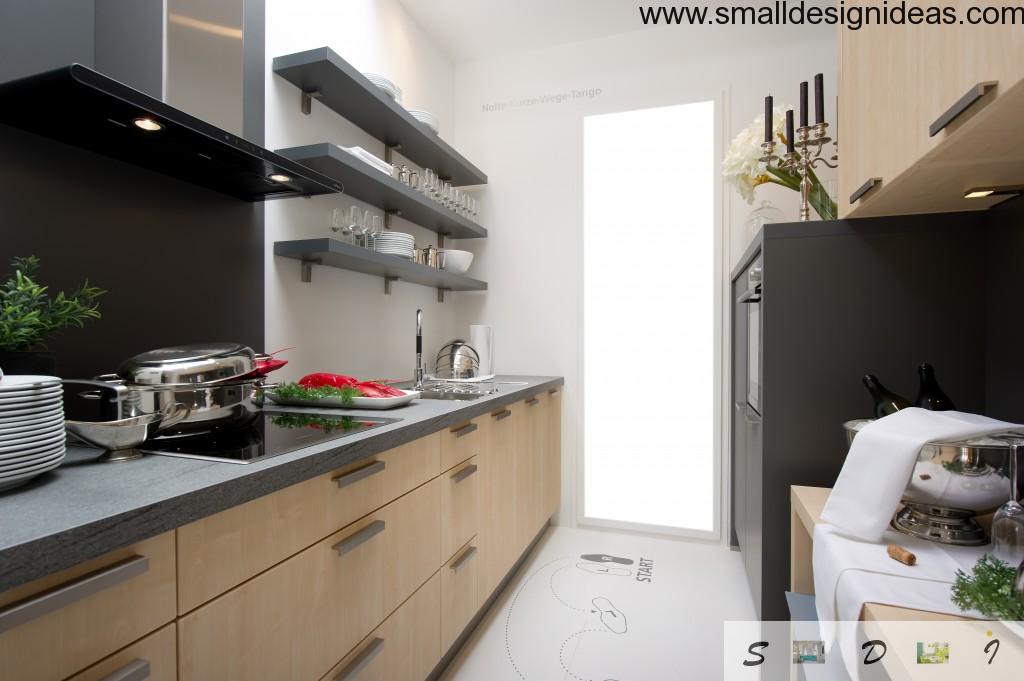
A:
(200, 363)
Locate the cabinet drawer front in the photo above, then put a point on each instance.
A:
(222, 551)
(460, 442)
(460, 490)
(297, 619)
(460, 593)
(154, 658)
(407, 645)
(56, 626)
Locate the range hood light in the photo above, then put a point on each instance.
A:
(147, 124)
(978, 193)
(278, 177)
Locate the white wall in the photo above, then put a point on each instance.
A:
(533, 155)
(342, 321)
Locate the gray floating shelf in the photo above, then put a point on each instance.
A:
(322, 75)
(364, 182)
(334, 253)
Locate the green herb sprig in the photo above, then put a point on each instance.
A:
(28, 314)
(294, 391)
(989, 590)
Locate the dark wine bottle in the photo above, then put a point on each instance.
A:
(930, 395)
(886, 402)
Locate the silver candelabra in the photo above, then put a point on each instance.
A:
(806, 154)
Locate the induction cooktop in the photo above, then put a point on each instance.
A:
(272, 434)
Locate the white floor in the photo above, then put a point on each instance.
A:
(603, 606)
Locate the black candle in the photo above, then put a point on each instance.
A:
(819, 99)
(803, 104)
(789, 131)
(769, 123)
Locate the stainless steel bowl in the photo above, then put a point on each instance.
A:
(120, 438)
(457, 360)
(951, 484)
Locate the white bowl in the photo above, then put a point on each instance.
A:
(456, 261)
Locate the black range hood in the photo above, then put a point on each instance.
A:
(82, 107)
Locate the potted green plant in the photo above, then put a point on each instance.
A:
(29, 315)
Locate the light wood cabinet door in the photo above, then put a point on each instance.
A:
(528, 428)
(895, 82)
(460, 593)
(56, 626)
(496, 534)
(460, 442)
(223, 550)
(299, 618)
(154, 658)
(405, 647)
(552, 465)
(460, 506)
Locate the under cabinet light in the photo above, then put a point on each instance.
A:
(278, 177)
(982, 192)
(147, 124)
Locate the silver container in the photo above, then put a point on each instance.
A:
(951, 484)
(120, 438)
(189, 364)
(457, 360)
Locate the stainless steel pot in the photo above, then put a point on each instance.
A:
(457, 360)
(189, 365)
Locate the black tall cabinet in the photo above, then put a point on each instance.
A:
(837, 300)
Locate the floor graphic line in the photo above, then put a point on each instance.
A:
(551, 584)
(561, 652)
(512, 605)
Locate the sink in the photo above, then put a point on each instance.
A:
(448, 395)
(442, 390)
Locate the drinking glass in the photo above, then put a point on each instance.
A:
(367, 230)
(446, 194)
(354, 218)
(428, 182)
(1008, 522)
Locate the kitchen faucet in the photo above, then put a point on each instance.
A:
(417, 383)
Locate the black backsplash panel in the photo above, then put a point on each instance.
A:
(1004, 265)
(181, 263)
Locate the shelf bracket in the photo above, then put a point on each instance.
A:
(440, 240)
(389, 152)
(387, 284)
(440, 294)
(388, 214)
(307, 269)
(306, 100)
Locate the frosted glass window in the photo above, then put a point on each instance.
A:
(648, 317)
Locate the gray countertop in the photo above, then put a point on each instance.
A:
(85, 509)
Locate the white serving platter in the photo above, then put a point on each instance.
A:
(356, 402)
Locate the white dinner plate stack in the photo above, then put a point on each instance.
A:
(395, 243)
(389, 88)
(31, 427)
(426, 118)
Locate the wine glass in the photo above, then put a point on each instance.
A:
(1008, 522)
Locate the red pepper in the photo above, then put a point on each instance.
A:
(331, 380)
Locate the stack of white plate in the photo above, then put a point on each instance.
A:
(395, 243)
(389, 88)
(426, 118)
(31, 427)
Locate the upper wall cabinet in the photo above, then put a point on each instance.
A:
(82, 107)
(322, 75)
(928, 112)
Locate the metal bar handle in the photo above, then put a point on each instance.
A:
(29, 609)
(961, 105)
(553, 391)
(136, 670)
(361, 661)
(503, 414)
(464, 558)
(532, 402)
(361, 537)
(864, 189)
(360, 473)
(465, 430)
(465, 473)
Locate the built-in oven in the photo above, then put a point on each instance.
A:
(751, 299)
